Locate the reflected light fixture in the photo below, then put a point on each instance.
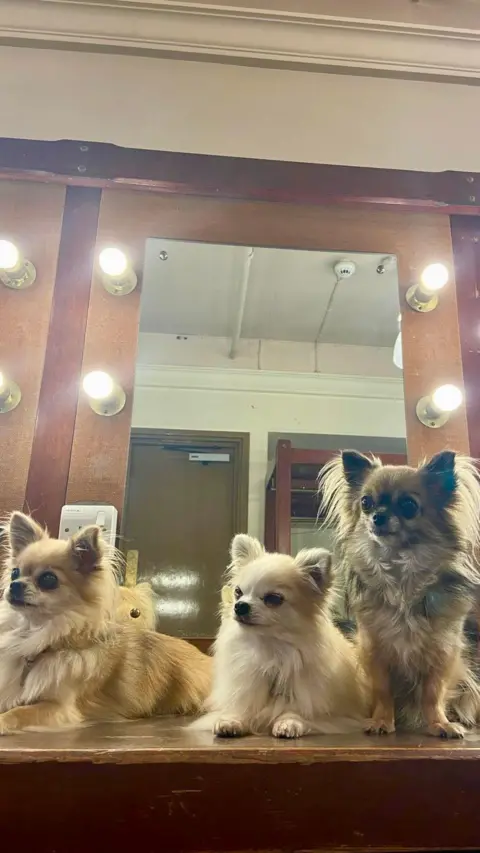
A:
(15, 271)
(434, 411)
(397, 347)
(423, 297)
(10, 394)
(105, 396)
(118, 276)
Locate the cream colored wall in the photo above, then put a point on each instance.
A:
(240, 111)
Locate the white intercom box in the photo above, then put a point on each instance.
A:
(76, 516)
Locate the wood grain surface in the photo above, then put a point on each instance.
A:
(432, 353)
(30, 216)
(153, 785)
(54, 428)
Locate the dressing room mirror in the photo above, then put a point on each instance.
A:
(243, 349)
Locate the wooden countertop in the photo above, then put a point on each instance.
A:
(156, 786)
(169, 740)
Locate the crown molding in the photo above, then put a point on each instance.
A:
(244, 34)
(269, 382)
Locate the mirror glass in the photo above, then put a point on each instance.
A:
(242, 348)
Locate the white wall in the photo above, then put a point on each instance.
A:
(240, 111)
(263, 401)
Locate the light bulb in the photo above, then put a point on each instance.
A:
(447, 398)
(2, 382)
(98, 385)
(434, 277)
(9, 255)
(113, 262)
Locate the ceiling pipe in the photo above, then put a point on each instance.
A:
(242, 301)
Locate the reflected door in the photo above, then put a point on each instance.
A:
(180, 517)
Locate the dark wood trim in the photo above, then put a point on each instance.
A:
(283, 498)
(102, 164)
(57, 407)
(466, 253)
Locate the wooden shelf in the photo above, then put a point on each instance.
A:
(154, 785)
(169, 740)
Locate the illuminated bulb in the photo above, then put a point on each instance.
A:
(447, 398)
(113, 262)
(98, 385)
(434, 277)
(9, 255)
(434, 411)
(2, 382)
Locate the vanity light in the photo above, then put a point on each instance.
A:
(434, 411)
(15, 271)
(118, 277)
(105, 396)
(10, 395)
(423, 297)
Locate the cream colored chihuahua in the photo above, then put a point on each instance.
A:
(280, 665)
(64, 657)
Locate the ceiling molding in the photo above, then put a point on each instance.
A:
(244, 34)
(269, 382)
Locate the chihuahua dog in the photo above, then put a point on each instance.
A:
(65, 657)
(280, 665)
(406, 545)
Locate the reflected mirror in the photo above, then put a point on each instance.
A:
(244, 350)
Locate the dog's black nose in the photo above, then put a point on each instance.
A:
(242, 608)
(380, 518)
(16, 591)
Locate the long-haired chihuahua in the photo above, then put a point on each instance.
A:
(66, 658)
(280, 665)
(406, 540)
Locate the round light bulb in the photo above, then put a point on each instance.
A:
(113, 262)
(98, 385)
(434, 277)
(447, 398)
(9, 255)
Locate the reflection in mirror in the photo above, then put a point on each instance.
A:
(240, 349)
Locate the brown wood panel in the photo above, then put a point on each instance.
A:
(103, 164)
(31, 216)
(151, 785)
(466, 247)
(431, 342)
(52, 442)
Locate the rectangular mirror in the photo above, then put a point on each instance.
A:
(242, 348)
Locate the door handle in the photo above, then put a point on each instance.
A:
(131, 569)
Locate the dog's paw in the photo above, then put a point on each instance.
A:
(452, 731)
(228, 728)
(379, 726)
(288, 728)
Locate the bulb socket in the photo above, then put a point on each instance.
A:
(429, 415)
(10, 396)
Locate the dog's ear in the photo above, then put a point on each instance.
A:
(356, 467)
(316, 565)
(23, 531)
(244, 549)
(440, 478)
(87, 549)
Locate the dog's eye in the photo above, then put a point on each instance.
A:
(47, 581)
(15, 574)
(273, 599)
(408, 507)
(237, 592)
(367, 503)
